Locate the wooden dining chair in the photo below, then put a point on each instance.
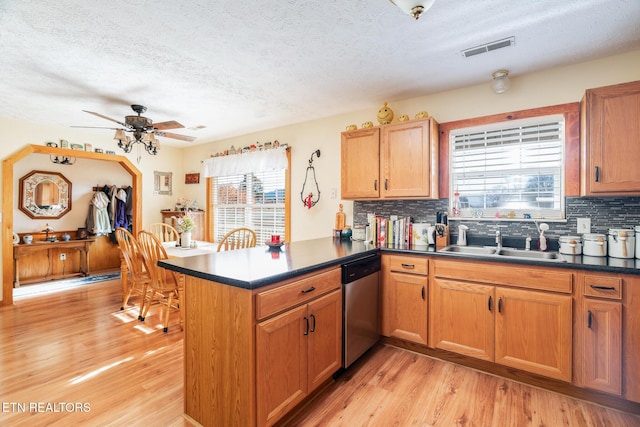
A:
(138, 278)
(238, 238)
(166, 286)
(164, 232)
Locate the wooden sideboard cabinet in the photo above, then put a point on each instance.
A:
(171, 218)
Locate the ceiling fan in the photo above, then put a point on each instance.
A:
(143, 130)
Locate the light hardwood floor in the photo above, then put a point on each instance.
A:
(78, 347)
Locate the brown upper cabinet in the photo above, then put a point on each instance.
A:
(396, 161)
(610, 140)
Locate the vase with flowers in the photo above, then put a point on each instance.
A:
(185, 225)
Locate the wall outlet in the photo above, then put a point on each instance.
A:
(584, 225)
(63, 257)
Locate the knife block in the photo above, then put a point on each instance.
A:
(442, 241)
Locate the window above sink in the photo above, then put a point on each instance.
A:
(512, 169)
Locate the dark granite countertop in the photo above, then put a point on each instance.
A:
(260, 266)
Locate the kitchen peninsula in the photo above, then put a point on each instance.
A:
(249, 359)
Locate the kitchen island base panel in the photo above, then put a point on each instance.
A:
(218, 354)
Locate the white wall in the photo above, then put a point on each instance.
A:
(549, 87)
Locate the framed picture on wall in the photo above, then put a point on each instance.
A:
(192, 178)
(162, 182)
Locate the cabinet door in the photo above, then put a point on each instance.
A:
(409, 168)
(281, 364)
(602, 345)
(533, 332)
(325, 338)
(360, 164)
(611, 137)
(405, 307)
(462, 317)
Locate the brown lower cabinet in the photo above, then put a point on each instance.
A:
(295, 353)
(252, 355)
(522, 328)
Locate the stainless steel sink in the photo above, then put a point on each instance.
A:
(469, 250)
(519, 253)
(511, 253)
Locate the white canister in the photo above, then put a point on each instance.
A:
(594, 244)
(637, 228)
(570, 245)
(622, 243)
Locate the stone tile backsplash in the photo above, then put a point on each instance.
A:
(605, 213)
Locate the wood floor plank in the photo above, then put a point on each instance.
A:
(395, 387)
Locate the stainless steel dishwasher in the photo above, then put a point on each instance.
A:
(360, 308)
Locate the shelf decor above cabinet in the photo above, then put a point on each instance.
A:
(395, 161)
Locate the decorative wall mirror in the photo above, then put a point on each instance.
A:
(44, 195)
(162, 182)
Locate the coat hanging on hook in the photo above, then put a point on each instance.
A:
(309, 201)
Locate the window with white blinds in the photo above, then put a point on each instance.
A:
(511, 169)
(253, 200)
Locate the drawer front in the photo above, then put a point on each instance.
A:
(300, 291)
(602, 286)
(541, 278)
(406, 264)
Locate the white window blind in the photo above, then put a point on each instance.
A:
(510, 169)
(253, 200)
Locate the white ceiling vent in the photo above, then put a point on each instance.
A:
(488, 47)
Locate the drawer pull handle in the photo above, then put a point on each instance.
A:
(589, 319)
(306, 291)
(489, 303)
(500, 305)
(597, 174)
(313, 328)
(411, 266)
(386, 187)
(306, 332)
(603, 288)
(375, 184)
(423, 292)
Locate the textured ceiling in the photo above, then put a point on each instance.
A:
(241, 66)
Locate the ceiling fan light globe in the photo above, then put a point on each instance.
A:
(414, 8)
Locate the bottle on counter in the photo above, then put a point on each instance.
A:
(341, 219)
(456, 207)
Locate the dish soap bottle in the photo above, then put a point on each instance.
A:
(543, 244)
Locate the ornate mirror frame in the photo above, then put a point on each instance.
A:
(162, 182)
(28, 186)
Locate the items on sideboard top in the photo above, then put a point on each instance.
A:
(385, 116)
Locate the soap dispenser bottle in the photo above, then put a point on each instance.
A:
(543, 243)
(462, 235)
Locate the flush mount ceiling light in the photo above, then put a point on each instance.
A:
(414, 8)
(500, 82)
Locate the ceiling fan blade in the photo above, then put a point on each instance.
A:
(95, 127)
(105, 117)
(171, 124)
(176, 136)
